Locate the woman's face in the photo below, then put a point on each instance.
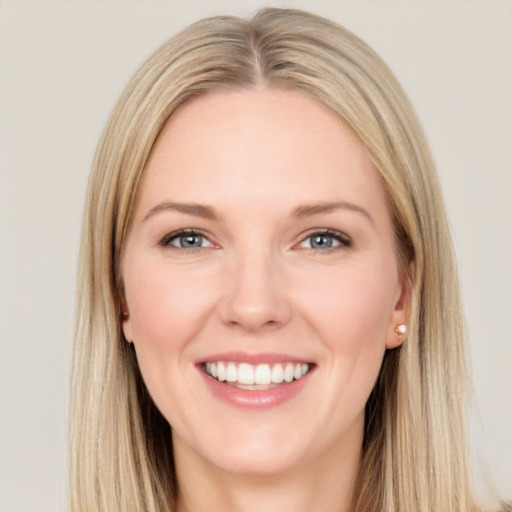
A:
(261, 251)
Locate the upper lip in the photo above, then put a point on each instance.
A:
(253, 358)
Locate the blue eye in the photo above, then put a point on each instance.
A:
(325, 240)
(186, 239)
(321, 241)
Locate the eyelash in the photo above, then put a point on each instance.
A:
(167, 239)
(344, 241)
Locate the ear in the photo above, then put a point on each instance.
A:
(126, 321)
(400, 314)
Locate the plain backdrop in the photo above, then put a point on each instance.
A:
(62, 66)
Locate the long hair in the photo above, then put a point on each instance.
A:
(414, 452)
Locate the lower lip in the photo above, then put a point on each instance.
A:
(255, 399)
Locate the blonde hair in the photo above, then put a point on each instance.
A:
(414, 453)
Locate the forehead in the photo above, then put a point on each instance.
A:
(258, 145)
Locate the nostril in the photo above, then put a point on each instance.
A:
(253, 325)
(254, 298)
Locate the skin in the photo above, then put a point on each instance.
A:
(257, 284)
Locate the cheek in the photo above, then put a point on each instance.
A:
(167, 310)
(351, 314)
(347, 311)
(165, 307)
(353, 302)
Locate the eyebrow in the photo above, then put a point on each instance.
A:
(308, 210)
(195, 209)
(318, 208)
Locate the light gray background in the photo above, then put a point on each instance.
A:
(62, 66)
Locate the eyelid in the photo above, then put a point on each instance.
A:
(343, 239)
(166, 240)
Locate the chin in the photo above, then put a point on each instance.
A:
(249, 452)
(258, 463)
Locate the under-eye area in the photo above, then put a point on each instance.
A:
(256, 376)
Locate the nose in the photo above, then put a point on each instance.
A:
(254, 298)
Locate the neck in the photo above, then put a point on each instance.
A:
(323, 485)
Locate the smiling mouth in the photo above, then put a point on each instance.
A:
(256, 377)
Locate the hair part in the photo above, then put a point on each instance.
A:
(414, 453)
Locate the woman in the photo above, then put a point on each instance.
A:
(269, 312)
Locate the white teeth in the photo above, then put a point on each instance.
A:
(221, 371)
(288, 372)
(245, 374)
(231, 373)
(256, 375)
(278, 374)
(262, 374)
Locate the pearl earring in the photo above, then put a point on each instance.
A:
(401, 329)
